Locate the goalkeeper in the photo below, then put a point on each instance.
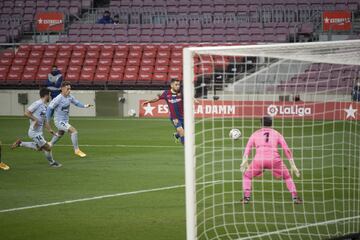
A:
(266, 141)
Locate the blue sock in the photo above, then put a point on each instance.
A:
(177, 135)
(182, 139)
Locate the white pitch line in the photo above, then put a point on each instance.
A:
(300, 227)
(91, 198)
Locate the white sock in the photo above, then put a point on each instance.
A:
(30, 145)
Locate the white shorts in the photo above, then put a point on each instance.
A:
(63, 126)
(39, 140)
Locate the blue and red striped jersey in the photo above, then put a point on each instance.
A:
(174, 102)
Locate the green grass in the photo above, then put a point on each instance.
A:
(130, 155)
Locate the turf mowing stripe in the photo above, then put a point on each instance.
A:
(301, 227)
(91, 198)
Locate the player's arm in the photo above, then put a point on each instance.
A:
(80, 104)
(289, 155)
(29, 113)
(244, 165)
(152, 100)
(48, 127)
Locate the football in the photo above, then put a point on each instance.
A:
(234, 134)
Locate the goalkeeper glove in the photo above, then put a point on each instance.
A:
(244, 165)
(294, 168)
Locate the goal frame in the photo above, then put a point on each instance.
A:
(189, 116)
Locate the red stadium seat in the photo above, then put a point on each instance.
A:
(6, 61)
(120, 54)
(62, 69)
(176, 61)
(135, 54)
(47, 61)
(78, 54)
(65, 48)
(122, 48)
(107, 48)
(100, 78)
(7, 54)
(50, 54)
(130, 78)
(35, 54)
(94, 47)
(28, 78)
(161, 69)
(133, 62)
(164, 47)
(19, 61)
(106, 54)
(146, 69)
(132, 69)
(119, 62)
(3, 76)
(13, 77)
(149, 54)
(105, 61)
(22, 54)
(91, 61)
(37, 48)
(176, 54)
(62, 61)
(163, 54)
(147, 62)
(76, 61)
(73, 77)
(64, 54)
(86, 78)
(175, 69)
(175, 75)
(34, 61)
(51, 47)
(92, 54)
(42, 69)
(117, 69)
(103, 69)
(79, 47)
(151, 47)
(31, 69)
(144, 78)
(162, 61)
(159, 79)
(41, 77)
(135, 47)
(115, 78)
(88, 69)
(74, 68)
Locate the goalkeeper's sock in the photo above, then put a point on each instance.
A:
(182, 140)
(30, 145)
(55, 139)
(247, 186)
(291, 186)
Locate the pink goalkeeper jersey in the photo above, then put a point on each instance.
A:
(266, 141)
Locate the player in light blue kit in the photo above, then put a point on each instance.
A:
(36, 112)
(60, 106)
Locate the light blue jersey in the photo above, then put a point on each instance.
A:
(38, 110)
(61, 108)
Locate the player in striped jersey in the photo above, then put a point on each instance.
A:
(174, 100)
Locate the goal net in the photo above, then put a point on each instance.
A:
(307, 89)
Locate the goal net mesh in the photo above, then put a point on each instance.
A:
(307, 89)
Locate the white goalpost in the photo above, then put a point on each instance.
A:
(308, 90)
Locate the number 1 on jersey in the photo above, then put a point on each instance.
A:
(267, 134)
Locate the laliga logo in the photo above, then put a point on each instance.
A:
(273, 110)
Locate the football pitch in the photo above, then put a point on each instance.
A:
(131, 184)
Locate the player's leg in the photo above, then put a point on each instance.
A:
(62, 128)
(255, 169)
(19, 143)
(280, 171)
(179, 126)
(74, 139)
(3, 166)
(46, 148)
